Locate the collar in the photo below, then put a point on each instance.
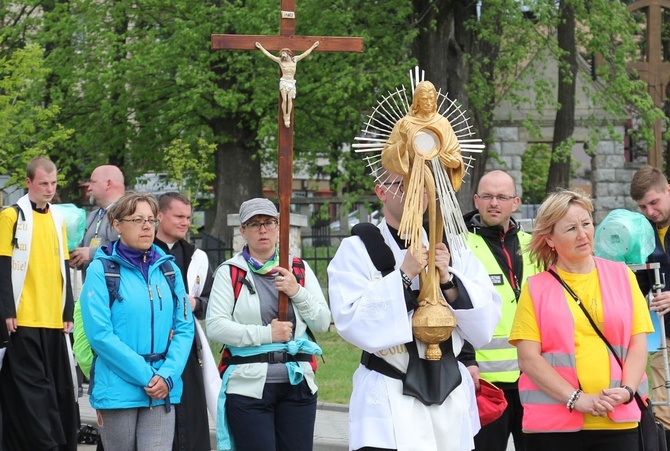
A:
(394, 233)
(39, 210)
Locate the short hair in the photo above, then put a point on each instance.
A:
(43, 163)
(646, 179)
(128, 204)
(165, 200)
(552, 210)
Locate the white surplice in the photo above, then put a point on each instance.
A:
(369, 311)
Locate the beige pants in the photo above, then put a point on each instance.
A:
(659, 393)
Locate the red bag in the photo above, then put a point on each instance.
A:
(491, 402)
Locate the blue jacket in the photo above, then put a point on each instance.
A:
(140, 324)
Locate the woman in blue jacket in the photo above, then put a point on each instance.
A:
(141, 338)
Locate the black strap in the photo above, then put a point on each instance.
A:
(267, 357)
(379, 252)
(374, 363)
(154, 357)
(20, 216)
(639, 400)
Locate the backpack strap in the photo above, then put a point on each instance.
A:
(168, 272)
(238, 277)
(113, 280)
(298, 269)
(20, 216)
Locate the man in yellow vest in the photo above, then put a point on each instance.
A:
(496, 240)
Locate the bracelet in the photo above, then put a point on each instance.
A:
(405, 279)
(573, 399)
(448, 285)
(630, 393)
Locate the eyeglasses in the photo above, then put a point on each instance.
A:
(270, 224)
(499, 197)
(141, 221)
(401, 185)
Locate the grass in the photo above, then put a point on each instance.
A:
(318, 259)
(333, 376)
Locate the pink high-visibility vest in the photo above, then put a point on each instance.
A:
(542, 413)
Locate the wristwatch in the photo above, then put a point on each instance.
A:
(448, 285)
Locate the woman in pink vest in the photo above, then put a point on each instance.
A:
(574, 392)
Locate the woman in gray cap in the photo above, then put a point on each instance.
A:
(268, 394)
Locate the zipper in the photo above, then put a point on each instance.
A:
(160, 298)
(151, 306)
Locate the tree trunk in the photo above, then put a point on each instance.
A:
(238, 174)
(561, 152)
(440, 47)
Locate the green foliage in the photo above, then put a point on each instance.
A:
(535, 170)
(131, 79)
(535, 163)
(27, 128)
(187, 167)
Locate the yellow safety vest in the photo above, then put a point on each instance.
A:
(498, 360)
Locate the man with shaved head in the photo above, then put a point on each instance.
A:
(498, 243)
(106, 186)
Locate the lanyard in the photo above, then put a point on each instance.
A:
(101, 213)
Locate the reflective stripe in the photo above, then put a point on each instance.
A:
(621, 351)
(498, 366)
(536, 397)
(498, 343)
(557, 359)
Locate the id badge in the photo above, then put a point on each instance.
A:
(96, 241)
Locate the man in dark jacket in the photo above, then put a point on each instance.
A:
(650, 190)
(498, 243)
(192, 422)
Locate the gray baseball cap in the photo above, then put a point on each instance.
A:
(257, 206)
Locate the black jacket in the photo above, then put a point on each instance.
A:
(504, 246)
(645, 278)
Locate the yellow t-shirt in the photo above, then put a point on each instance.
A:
(661, 235)
(41, 299)
(591, 354)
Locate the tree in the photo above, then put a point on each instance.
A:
(27, 129)
(132, 78)
(564, 126)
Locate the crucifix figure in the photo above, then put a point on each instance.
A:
(288, 65)
(287, 39)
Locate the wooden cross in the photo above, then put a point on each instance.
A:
(654, 71)
(286, 39)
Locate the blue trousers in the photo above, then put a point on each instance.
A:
(282, 420)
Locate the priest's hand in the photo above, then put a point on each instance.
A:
(412, 266)
(442, 261)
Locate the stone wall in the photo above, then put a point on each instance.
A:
(610, 173)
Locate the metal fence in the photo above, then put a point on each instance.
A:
(216, 249)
